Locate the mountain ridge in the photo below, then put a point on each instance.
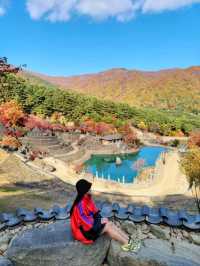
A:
(163, 70)
(174, 88)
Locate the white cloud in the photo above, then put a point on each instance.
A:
(53, 10)
(63, 10)
(162, 5)
(102, 9)
(3, 6)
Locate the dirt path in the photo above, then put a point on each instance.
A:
(43, 189)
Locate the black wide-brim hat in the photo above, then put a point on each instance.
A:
(83, 186)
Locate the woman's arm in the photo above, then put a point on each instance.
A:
(86, 219)
(92, 207)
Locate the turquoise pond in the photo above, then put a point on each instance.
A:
(105, 165)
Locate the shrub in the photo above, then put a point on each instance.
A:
(142, 126)
(174, 143)
(119, 123)
(187, 127)
(165, 129)
(10, 142)
(55, 117)
(172, 133)
(35, 154)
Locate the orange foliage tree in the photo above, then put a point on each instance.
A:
(10, 142)
(194, 139)
(99, 128)
(11, 114)
(87, 126)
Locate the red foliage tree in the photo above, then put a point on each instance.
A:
(33, 121)
(17, 133)
(102, 128)
(7, 68)
(59, 127)
(87, 126)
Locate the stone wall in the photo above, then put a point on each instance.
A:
(51, 244)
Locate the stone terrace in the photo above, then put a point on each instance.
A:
(47, 143)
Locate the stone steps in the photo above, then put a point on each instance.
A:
(52, 145)
(39, 141)
(55, 146)
(42, 138)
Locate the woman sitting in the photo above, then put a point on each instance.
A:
(87, 224)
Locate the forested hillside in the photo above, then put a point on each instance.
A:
(45, 100)
(174, 89)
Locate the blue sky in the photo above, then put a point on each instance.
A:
(68, 37)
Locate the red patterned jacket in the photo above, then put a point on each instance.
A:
(82, 215)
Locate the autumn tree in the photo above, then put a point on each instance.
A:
(129, 135)
(6, 68)
(33, 121)
(194, 138)
(87, 126)
(11, 114)
(191, 166)
(10, 142)
(142, 126)
(103, 128)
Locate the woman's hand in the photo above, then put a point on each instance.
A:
(104, 220)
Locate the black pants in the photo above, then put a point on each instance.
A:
(96, 229)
